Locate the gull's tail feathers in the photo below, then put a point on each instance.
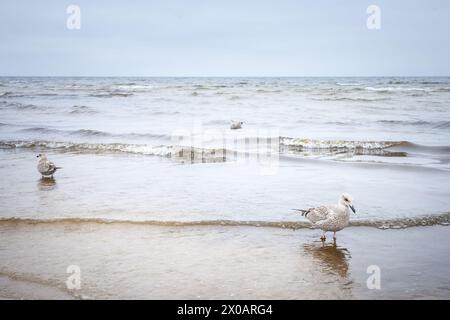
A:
(303, 212)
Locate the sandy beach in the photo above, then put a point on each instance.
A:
(132, 261)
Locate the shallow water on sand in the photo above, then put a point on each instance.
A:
(150, 262)
(125, 187)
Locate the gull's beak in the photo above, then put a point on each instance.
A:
(353, 208)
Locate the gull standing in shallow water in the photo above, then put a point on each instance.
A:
(332, 217)
(45, 167)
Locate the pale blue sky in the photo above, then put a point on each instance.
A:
(224, 38)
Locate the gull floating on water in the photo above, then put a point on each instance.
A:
(45, 167)
(236, 125)
(331, 217)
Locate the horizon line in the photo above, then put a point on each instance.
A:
(223, 76)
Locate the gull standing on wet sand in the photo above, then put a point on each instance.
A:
(45, 167)
(331, 217)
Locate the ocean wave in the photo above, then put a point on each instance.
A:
(348, 84)
(341, 154)
(10, 94)
(205, 87)
(399, 82)
(31, 94)
(396, 89)
(182, 154)
(309, 144)
(131, 87)
(89, 147)
(81, 132)
(415, 81)
(351, 99)
(287, 147)
(95, 133)
(412, 147)
(19, 106)
(432, 124)
(45, 94)
(431, 82)
(394, 223)
(40, 130)
(442, 124)
(372, 148)
(413, 90)
(268, 91)
(165, 112)
(90, 133)
(111, 94)
(81, 110)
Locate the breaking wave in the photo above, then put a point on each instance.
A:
(396, 89)
(178, 153)
(309, 144)
(297, 143)
(395, 223)
(89, 147)
(286, 146)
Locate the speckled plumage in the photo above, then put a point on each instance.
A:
(331, 217)
(45, 167)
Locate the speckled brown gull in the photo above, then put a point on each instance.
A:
(330, 217)
(45, 167)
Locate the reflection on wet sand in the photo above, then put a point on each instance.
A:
(330, 257)
(46, 184)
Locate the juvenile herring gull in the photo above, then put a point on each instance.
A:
(45, 167)
(330, 217)
(236, 125)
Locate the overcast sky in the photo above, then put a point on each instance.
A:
(225, 38)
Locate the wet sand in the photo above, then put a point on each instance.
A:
(127, 261)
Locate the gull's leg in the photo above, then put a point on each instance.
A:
(334, 235)
(323, 238)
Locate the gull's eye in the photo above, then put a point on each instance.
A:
(345, 199)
